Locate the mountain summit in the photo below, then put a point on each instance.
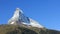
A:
(19, 18)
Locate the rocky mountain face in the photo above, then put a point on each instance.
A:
(19, 18)
(17, 29)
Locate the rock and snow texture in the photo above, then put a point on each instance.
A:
(19, 18)
(35, 23)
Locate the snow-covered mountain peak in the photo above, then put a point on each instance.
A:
(17, 9)
(19, 18)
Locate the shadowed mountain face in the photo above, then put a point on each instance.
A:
(16, 29)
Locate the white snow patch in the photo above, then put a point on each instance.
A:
(35, 23)
(12, 22)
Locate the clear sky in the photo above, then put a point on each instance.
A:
(46, 12)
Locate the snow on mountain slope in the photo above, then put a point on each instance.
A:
(35, 23)
(20, 18)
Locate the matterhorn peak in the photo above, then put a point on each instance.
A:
(19, 18)
(17, 9)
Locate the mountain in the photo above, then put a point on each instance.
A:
(20, 24)
(23, 29)
(19, 18)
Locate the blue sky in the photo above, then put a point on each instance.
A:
(47, 12)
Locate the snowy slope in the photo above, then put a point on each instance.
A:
(35, 23)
